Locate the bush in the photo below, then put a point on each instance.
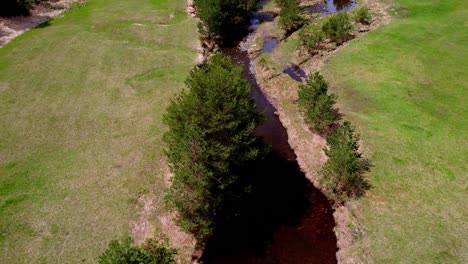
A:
(290, 19)
(210, 140)
(311, 36)
(126, 252)
(361, 15)
(338, 27)
(225, 19)
(343, 173)
(316, 104)
(15, 7)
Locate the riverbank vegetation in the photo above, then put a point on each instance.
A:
(343, 173)
(125, 251)
(402, 86)
(209, 148)
(290, 18)
(81, 104)
(317, 105)
(225, 20)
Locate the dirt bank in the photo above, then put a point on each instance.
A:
(12, 27)
(281, 90)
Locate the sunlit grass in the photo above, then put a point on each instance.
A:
(81, 104)
(404, 86)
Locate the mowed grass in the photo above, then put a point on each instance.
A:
(405, 87)
(81, 105)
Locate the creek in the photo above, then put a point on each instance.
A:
(287, 220)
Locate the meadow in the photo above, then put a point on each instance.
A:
(81, 105)
(404, 87)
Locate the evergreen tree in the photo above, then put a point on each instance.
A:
(210, 140)
(316, 104)
(343, 173)
(226, 20)
(338, 27)
(290, 19)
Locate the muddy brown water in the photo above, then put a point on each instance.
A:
(286, 219)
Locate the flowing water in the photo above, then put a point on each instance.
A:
(287, 220)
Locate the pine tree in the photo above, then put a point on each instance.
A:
(210, 139)
(343, 173)
(290, 19)
(316, 104)
(225, 19)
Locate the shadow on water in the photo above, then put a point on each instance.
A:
(285, 219)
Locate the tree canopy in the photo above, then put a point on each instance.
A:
(316, 104)
(343, 173)
(225, 19)
(210, 139)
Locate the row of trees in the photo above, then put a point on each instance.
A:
(225, 19)
(343, 173)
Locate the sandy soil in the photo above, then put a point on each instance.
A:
(11, 27)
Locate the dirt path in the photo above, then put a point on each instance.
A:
(12, 27)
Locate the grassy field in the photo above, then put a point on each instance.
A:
(404, 86)
(81, 103)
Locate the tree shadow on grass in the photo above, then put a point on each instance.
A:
(44, 24)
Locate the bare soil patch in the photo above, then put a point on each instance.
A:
(12, 27)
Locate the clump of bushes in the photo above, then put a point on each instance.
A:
(290, 18)
(317, 105)
(361, 15)
(343, 173)
(151, 252)
(15, 7)
(338, 27)
(311, 36)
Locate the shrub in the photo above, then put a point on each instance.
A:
(225, 18)
(343, 173)
(15, 7)
(311, 36)
(338, 27)
(210, 139)
(126, 252)
(290, 19)
(316, 104)
(361, 15)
